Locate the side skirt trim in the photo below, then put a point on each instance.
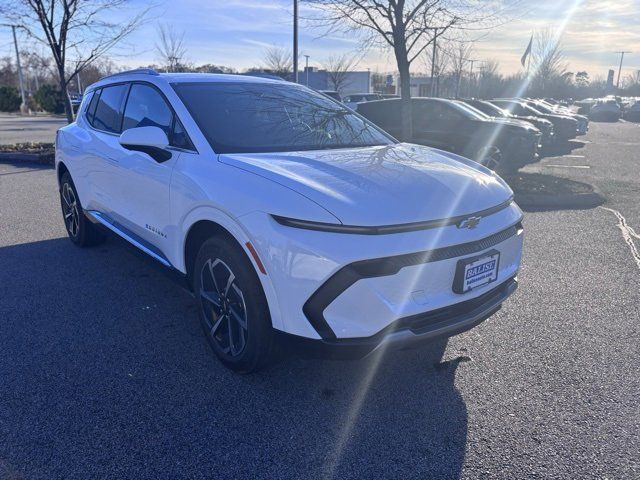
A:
(130, 237)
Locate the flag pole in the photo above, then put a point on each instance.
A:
(530, 55)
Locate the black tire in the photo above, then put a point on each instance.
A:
(81, 231)
(235, 317)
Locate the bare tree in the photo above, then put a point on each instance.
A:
(170, 47)
(407, 27)
(489, 81)
(460, 54)
(76, 31)
(338, 68)
(436, 61)
(279, 61)
(548, 60)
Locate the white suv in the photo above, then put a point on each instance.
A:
(288, 216)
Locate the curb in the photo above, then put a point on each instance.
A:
(561, 201)
(44, 159)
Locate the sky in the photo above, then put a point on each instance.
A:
(236, 33)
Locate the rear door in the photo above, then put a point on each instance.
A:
(102, 149)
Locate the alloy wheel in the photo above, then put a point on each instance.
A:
(70, 210)
(491, 157)
(223, 307)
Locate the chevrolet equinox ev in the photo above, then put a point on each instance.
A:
(292, 219)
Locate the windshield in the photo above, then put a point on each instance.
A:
(473, 110)
(541, 107)
(469, 112)
(262, 117)
(491, 109)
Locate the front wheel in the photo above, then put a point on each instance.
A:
(233, 309)
(490, 157)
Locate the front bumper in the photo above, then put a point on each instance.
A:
(521, 150)
(409, 331)
(331, 286)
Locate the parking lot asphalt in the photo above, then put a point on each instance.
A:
(104, 371)
(25, 129)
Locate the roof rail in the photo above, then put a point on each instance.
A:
(143, 71)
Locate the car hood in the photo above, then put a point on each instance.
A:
(514, 122)
(384, 185)
(537, 120)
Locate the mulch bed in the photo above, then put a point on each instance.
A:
(28, 152)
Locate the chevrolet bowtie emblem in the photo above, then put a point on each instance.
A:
(470, 223)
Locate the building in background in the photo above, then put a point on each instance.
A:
(349, 82)
(420, 85)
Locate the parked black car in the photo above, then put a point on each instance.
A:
(450, 126)
(545, 107)
(333, 94)
(564, 127)
(545, 126)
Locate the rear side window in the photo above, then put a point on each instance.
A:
(147, 108)
(91, 109)
(108, 114)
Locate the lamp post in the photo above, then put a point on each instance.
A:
(620, 68)
(23, 106)
(306, 68)
(295, 41)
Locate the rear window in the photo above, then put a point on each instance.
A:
(108, 113)
(262, 117)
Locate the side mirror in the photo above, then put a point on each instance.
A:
(150, 140)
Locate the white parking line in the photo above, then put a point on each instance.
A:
(628, 234)
(568, 166)
(573, 156)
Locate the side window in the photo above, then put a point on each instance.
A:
(91, 109)
(108, 114)
(179, 137)
(146, 108)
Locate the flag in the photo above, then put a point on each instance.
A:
(527, 52)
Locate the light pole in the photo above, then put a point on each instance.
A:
(433, 63)
(471, 76)
(23, 106)
(306, 67)
(620, 68)
(295, 41)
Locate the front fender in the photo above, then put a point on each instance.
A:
(241, 235)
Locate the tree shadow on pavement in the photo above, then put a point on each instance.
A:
(105, 372)
(542, 192)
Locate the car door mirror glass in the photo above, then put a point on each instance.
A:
(150, 140)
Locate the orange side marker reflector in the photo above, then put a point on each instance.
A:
(255, 256)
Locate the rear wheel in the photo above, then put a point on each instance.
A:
(81, 231)
(232, 306)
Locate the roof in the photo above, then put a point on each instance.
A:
(151, 75)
